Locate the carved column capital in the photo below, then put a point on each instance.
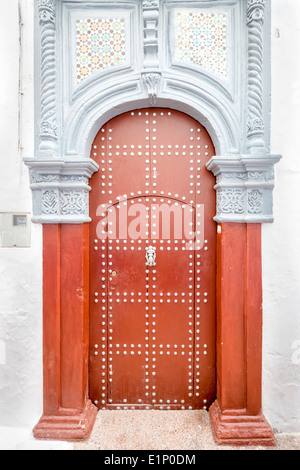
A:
(255, 10)
(60, 189)
(47, 12)
(244, 187)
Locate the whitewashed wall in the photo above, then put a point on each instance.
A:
(281, 240)
(21, 268)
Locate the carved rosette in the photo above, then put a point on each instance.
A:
(255, 22)
(48, 121)
(244, 188)
(231, 201)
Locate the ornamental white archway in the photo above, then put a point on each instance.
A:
(232, 105)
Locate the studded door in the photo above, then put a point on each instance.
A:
(152, 264)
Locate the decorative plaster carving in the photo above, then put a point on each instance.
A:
(49, 202)
(245, 194)
(152, 81)
(48, 118)
(231, 201)
(255, 201)
(255, 10)
(73, 202)
(150, 18)
(60, 189)
(81, 179)
(150, 4)
(244, 182)
(47, 12)
(231, 176)
(261, 175)
(255, 21)
(36, 178)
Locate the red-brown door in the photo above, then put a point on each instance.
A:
(152, 263)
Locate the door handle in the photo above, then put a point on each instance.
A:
(150, 256)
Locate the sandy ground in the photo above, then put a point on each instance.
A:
(163, 430)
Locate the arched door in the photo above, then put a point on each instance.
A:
(152, 263)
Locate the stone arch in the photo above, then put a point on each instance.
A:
(93, 109)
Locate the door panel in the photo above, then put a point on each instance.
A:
(152, 328)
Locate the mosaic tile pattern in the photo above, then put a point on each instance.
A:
(201, 39)
(100, 44)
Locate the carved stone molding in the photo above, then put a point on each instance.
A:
(150, 4)
(60, 189)
(48, 118)
(47, 12)
(244, 187)
(255, 10)
(255, 22)
(150, 20)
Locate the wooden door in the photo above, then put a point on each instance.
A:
(152, 263)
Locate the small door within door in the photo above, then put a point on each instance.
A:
(152, 264)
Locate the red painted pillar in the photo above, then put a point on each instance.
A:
(68, 413)
(236, 416)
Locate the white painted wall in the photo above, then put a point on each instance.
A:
(21, 268)
(281, 240)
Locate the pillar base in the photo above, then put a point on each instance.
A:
(67, 427)
(233, 427)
